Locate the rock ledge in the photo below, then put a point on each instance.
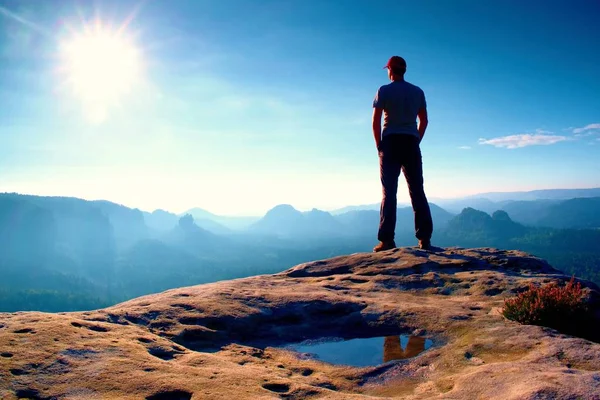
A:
(216, 341)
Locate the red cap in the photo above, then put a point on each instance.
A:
(396, 62)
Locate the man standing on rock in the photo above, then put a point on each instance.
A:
(401, 103)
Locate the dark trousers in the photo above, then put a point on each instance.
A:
(402, 153)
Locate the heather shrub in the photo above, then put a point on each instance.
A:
(560, 307)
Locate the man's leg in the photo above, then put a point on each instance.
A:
(412, 167)
(392, 349)
(389, 171)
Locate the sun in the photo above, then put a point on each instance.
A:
(101, 68)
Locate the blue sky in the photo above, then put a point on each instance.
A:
(236, 106)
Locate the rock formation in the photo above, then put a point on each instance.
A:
(220, 340)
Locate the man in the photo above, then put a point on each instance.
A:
(398, 144)
(392, 347)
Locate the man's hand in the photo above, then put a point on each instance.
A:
(423, 121)
(377, 113)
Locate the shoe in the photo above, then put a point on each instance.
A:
(382, 246)
(425, 244)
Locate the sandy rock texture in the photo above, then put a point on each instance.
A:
(220, 340)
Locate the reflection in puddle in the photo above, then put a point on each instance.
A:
(362, 352)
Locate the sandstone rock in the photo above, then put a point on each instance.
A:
(218, 341)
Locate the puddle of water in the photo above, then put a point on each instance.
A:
(362, 352)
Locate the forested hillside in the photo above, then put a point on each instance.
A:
(61, 254)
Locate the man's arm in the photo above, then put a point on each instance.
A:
(377, 112)
(423, 121)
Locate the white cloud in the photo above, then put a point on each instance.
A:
(588, 129)
(465, 147)
(523, 140)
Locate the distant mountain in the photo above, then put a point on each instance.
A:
(55, 253)
(228, 222)
(366, 222)
(574, 251)
(199, 213)
(74, 234)
(544, 194)
(478, 203)
(281, 220)
(574, 213)
(324, 221)
(528, 212)
(287, 222)
(194, 239)
(364, 207)
(213, 226)
(473, 226)
(28, 233)
(128, 224)
(487, 202)
(490, 202)
(440, 216)
(360, 222)
(161, 220)
(476, 228)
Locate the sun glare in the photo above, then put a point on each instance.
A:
(101, 68)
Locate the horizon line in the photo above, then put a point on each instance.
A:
(329, 209)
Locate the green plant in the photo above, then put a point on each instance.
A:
(554, 306)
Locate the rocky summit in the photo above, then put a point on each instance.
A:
(225, 340)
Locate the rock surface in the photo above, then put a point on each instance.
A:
(217, 341)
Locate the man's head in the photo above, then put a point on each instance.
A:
(396, 67)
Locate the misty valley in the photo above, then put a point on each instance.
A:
(68, 254)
